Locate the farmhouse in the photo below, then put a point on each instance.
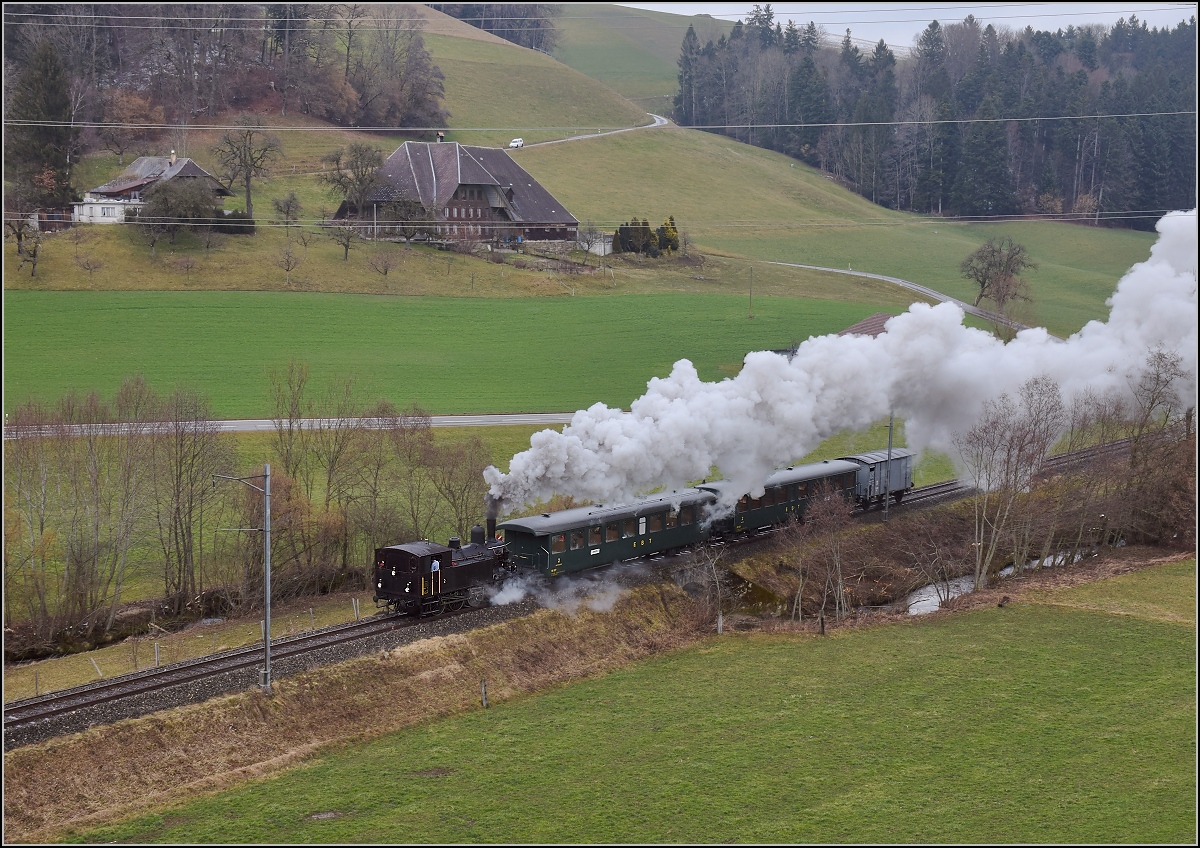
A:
(124, 194)
(455, 191)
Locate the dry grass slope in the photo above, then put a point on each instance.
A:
(108, 773)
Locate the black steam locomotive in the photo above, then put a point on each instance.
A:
(426, 578)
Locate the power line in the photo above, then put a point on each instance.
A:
(576, 127)
(726, 224)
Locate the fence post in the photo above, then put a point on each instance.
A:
(312, 622)
(483, 690)
(37, 689)
(156, 655)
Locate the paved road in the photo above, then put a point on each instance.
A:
(985, 314)
(267, 425)
(659, 121)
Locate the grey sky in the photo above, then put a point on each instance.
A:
(899, 23)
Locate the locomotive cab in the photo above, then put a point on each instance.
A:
(427, 578)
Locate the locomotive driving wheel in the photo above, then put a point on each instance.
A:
(455, 604)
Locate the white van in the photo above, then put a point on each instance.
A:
(515, 143)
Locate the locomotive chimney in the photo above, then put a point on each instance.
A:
(493, 509)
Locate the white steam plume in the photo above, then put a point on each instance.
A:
(597, 592)
(926, 367)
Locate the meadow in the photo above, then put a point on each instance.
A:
(752, 203)
(1067, 716)
(449, 355)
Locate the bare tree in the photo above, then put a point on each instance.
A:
(288, 210)
(708, 557)
(589, 237)
(353, 172)
(412, 440)
(33, 251)
(382, 261)
(188, 452)
(31, 546)
(1002, 454)
(290, 403)
(90, 264)
(345, 236)
(305, 237)
(996, 269)
(336, 430)
(791, 543)
(186, 264)
(374, 512)
(828, 513)
(130, 121)
(246, 154)
(289, 262)
(456, 470)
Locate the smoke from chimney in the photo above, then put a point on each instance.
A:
(926, 367)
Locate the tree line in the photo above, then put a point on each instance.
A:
(975, 122)
(527, 24)
(95, 514)
(124, 65)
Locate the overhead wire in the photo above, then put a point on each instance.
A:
(576, 127)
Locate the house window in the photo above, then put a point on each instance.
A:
(108, 211)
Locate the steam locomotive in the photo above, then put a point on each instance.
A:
(426, 578)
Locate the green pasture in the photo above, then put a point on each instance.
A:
(497, 91)
(448, 355)
(1036, 723)
(735, 199)
(624, 48)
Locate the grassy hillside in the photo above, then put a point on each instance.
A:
(1040, 722)
(632, 51)
(745, 201)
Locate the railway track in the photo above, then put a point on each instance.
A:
(29, 710)
(238, 669)
(32, 720)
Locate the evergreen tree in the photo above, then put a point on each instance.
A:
(791, 39)
(685, 98)
(984, 184)
(809, 105)
(810, 39)
(39, 154)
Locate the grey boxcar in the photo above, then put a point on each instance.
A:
(876, 479)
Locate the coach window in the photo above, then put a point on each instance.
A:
(558, 543)
(595, 535)
(686, 515)
(655, 523)
(630, 528)
(576, 539)
(612, 531)
(672, 517)
(742, 503)
(801, 491)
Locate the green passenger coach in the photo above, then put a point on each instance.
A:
(589, 536)
(786, 494)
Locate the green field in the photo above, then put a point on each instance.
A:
(1036, 723)
(753, 203)
(449, 355)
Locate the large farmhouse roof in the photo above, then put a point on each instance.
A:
(147, 170)
(432, 173)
